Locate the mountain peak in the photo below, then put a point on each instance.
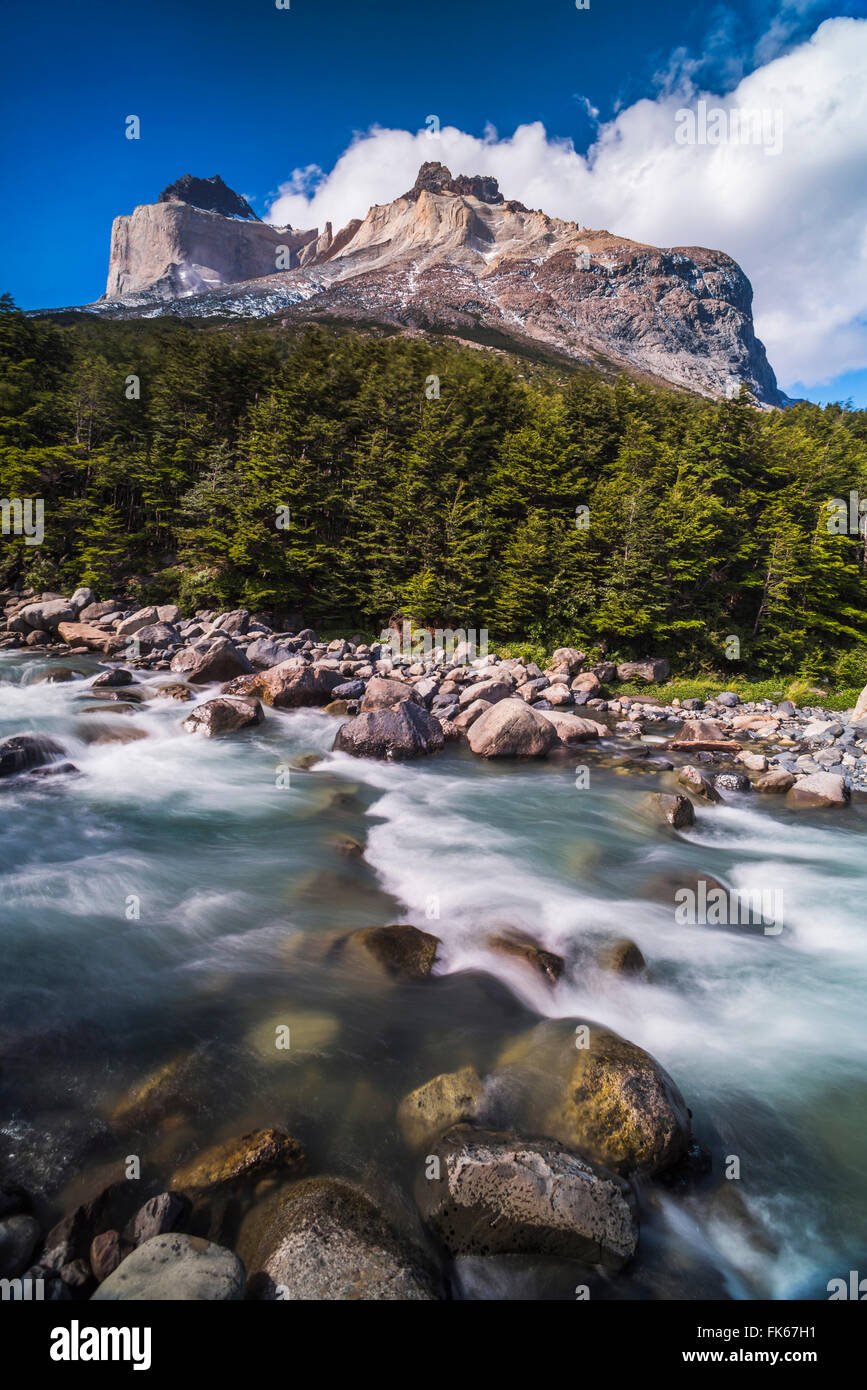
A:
(434, 177)
(210, 195)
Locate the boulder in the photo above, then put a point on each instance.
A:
(93, 611)
(492, 691)
(512, 729)
(572, 729)
(622, 957)
(609, 1099)
(383, 693)
(403, 952)
(777, 780)
(569, 658)
(405, 731)
(175, 1267)
(22, 752)
(48, 616)
(224, 715)
(860, 711)
(502, 1194)
(654, 670)
(326, 1240)
(292, 684)
(264, 653)
(250, 1156)
(446, 1100)
(698, 783)
(819, 789)
(94, 638)
(676, 809)
(143, 617)
(522, 947)
(156, 637)
(468, 715)
(587, 684)
(219, 661)
(112, 679)
(82, 598)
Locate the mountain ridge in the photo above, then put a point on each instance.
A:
(450, 255)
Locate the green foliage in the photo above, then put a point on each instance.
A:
(306, 471)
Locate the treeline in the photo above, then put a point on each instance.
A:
(352, 478)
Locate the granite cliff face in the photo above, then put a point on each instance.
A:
(451, 255)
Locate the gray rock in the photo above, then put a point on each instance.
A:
(82, 598)
(382, 693)
(652, 669)
(219, 661)
(175, 1267)
(224, 715)
(22, 752)
(732, 782)
(143, 617)
(676, 809)
(406, 731)
(728, 698)
(110, 679)
(326, 1240)
(349, 690)
(499, 1193)
(156, 637)
(158, 1217)
(48, 615)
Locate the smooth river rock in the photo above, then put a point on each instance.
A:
(175, 1267)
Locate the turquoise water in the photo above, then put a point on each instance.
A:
(146, 908)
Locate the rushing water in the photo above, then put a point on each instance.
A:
(146, 907)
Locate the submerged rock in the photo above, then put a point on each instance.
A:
(403, 952)
(499, 1193)
(250, 1156)
(622, 956)
(675, 808)
(522, 947)
(175, 1267)
(446, 1100)
(326, 1240)
(598, 1093)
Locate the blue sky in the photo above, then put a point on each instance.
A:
(255, 93)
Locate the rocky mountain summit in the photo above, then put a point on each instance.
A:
(211, 195)
(453, 256)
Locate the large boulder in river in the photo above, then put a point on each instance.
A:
(221, 716)
(177, 1268)
(596, 1092)
(512, 729)
(326, 1240)
(292, 684)
(819, 789)
(384, 693)
(406, 731)
(502, 1194)
(219, 661)
(22, 752)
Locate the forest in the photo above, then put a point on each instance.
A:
(350, 477)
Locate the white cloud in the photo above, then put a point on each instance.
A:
(796, 221)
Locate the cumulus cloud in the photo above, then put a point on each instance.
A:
(796, 220)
